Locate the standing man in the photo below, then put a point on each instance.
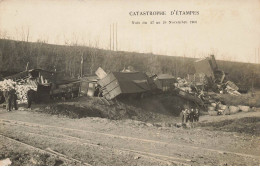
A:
(8, 99)
(13, 99)
(31, 96)
(196, 115)
(2, 98)
(183, 118)
(192, 115)
(185, 115)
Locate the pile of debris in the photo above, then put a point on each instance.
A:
(231, 88)
(195, 88)
(21, 89)
(209, 79)
(7, 85)
(183, 85)
(214, 79)
(220, 109)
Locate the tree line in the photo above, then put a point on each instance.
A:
(15, 55)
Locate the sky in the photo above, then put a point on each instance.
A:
(230, 29)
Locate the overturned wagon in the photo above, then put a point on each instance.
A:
(65, 89)
(165, 82)
(47, 85)
(120, 84)
(36, 79)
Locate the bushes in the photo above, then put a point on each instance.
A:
(14, 56)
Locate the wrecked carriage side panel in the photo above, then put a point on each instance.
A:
(113, 93)
(133, 82)
(204, 66)
(117, 83)
(110, 86)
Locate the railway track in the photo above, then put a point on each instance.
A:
(168, 160)
(48, 151)
(129, 138)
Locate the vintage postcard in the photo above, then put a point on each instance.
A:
(129, 83)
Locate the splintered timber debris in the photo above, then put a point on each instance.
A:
(21, 89)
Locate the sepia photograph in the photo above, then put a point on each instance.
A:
(129, 83)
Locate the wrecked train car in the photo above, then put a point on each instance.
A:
(118, 84)
(164, 82)
(65, 89)
(38, 79)
(88, 85)
(47, 84)
(208, 66)
(38, 76)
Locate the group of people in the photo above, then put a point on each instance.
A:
(191, 115)
(10, 98)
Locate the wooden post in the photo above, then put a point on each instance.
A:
(27, 65)
(81, 66)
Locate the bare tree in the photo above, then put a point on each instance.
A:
(3, 35)
(27, 34)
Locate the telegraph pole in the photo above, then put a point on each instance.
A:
(110, 38)
(81, 66)
(258, 57)
(113, 36)
(116, 36)
(113, 43)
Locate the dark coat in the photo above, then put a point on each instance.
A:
(2, 98)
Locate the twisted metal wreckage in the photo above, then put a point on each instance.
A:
(127, 83)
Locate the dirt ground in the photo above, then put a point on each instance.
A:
(31, 137)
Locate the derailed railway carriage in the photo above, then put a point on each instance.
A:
(35, 79)
(65, 89)
(47, 85)
(130, 84)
